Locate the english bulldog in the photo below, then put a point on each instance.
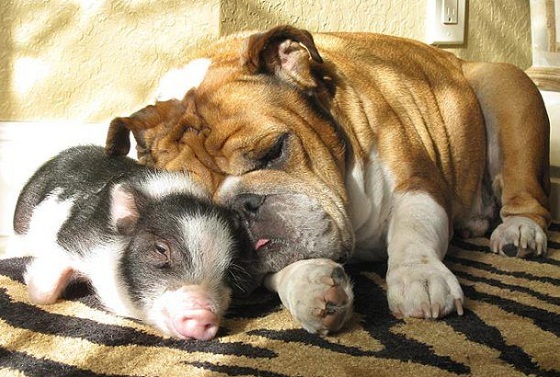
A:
(354, 146)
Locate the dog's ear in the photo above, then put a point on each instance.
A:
(164, 114)
(284, 51)
(117, 142)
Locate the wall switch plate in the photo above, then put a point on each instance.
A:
(445, 22)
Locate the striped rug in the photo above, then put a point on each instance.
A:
(511, 327)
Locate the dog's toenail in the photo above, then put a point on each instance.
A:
(338, 274)
(327, 280)
(331, 308)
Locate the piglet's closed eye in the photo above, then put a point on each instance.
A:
(124, 208)
(151, 243)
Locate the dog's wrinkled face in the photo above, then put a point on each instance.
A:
(255, 132)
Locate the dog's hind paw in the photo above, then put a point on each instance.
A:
(318, 293)
(518, 237)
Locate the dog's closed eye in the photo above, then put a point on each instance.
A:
(275, 155)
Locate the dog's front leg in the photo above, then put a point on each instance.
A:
(317, 292)
(418, 283)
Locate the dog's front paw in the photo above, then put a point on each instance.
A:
(518, 236)
(425, 289)
(317, 292)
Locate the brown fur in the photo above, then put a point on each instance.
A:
(429, 115)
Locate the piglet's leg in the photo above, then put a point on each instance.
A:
(317, 292)
(46, 279)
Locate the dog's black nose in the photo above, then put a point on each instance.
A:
(248, 204)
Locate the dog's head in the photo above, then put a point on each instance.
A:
(258, 131)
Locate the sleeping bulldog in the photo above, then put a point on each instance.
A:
(354, 146)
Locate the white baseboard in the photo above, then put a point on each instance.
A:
(552, 103)
(25, 146)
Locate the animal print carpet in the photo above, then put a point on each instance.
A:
(511, 327)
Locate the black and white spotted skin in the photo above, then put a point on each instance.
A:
(151, 243)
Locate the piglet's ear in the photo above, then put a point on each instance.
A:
(124, 208)
(284, 51)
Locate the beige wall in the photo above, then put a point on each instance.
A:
(91, 60)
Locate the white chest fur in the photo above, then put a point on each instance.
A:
(370, 189)
(175, 83)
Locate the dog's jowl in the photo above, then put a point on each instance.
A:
(337, 146)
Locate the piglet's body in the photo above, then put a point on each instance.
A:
(150, 242)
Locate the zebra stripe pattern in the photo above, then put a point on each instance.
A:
(511, 327)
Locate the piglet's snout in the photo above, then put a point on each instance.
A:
(200, 324)
(190, 314)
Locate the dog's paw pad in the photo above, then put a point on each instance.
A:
(332, 308)
(510, 250)
(319, 295)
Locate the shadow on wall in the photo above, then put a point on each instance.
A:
(6, 51)
(89, 61)
(496, 30)
(394, 17)
(238, 15)
(495, 34)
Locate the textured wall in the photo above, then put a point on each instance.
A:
(87, 60)
(498, 31)
(403, 17)
(90, 60)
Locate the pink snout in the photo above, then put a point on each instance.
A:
(192, 312)
(200, 324)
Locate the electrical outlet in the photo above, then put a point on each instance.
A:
(445, 22)
(449, 12)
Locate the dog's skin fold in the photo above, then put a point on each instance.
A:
(337, 146)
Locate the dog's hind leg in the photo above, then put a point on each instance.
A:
(518, 133)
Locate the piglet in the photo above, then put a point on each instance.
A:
(151, 243)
